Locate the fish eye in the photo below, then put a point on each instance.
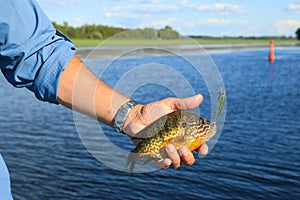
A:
(201, 120)
(183, 124)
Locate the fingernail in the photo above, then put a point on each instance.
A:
(200, 96)
(168, 162)
(170, 148)
(203, 150)
(183, 151)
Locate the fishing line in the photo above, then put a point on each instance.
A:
(183, 70)
(222, 35)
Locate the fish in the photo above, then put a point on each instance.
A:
(178, 128)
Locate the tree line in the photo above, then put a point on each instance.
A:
(247, 37)
(93, 31)
(298, 33)
(241, 37)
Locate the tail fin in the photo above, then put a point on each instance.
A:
(148, 159)
(132, 159)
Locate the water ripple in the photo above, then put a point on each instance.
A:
(256, 157)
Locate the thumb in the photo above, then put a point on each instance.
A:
(188, 103)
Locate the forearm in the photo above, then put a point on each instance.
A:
(79, 89)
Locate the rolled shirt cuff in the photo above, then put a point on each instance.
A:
(45, 86)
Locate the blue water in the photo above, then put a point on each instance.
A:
(256, 157)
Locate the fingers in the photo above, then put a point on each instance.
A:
(186, 156)
(203, 150)
(188, 103)
(164, 163)
(175, 157)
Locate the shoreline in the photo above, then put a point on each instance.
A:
(109, 52)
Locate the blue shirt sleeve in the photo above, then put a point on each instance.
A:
(5, 191)
(32, 53)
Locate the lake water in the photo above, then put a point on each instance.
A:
(257, 155)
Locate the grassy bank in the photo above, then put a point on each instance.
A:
(285, 41)
(94, 42)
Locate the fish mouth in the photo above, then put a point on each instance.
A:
(213, 130)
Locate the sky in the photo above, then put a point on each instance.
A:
(189, 17)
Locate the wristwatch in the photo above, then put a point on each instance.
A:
(122, 115)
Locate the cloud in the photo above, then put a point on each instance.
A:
(215, 21)
(144, 8)
(155, 1)
(126, 15)
(77, 22)
(295, 7)
(288, 26)
(55, 3)
(138, 11)
(221, 7)
(216, 27)
(160, 23)
(147, 1)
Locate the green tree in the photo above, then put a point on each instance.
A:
(168, 34)
(93, 31)
(298, 33)
(150, 33)
(87, 31)
(168, 27)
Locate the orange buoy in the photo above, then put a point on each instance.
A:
(272, 54)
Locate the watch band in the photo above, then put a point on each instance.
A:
(122, 115)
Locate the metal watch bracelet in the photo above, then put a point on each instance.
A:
(122, 115)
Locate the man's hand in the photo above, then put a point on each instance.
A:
(143, 115)
(78, 81)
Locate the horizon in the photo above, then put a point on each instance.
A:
(192, 36)
(216, 18)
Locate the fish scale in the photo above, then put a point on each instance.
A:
(177, 128)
